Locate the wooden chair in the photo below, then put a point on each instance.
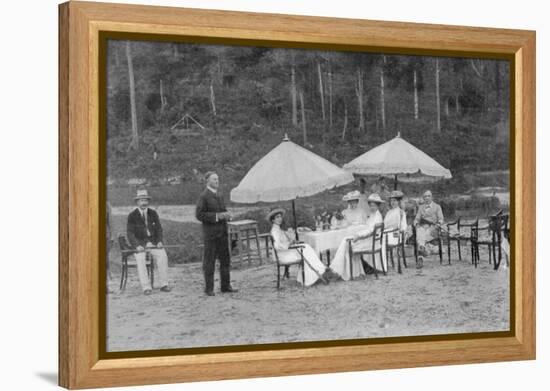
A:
(492, 239)
(502, 231)
(460, 236)
(128, 260)
(399, 246)
(299, 261)
(436, 240)
(377, 236)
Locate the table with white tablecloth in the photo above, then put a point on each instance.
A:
(328, 240)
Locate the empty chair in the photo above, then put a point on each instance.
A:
(489, 235)
(463, 233)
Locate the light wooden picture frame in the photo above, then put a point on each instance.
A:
(82, 363)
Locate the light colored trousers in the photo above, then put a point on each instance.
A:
(161, 259)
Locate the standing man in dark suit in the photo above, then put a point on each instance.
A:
(211, 211)
(145, 235)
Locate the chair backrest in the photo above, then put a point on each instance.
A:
(123, 242)
(456, 222)
(473, 225)
(377, 235)
(506, 227)
(272, 241)
(392, 231)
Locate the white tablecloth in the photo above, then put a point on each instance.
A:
(330, 239)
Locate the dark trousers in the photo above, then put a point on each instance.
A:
(216, 247)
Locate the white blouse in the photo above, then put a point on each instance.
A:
(395, 218)
(281, 241)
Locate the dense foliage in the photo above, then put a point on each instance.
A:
(235, 103)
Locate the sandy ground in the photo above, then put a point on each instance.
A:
(434, 300)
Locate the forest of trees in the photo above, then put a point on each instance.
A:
(180, 109)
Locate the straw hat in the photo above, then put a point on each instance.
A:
(142, 194)
(375, 198)
(352, 195)
(273, 212)
(397, 194)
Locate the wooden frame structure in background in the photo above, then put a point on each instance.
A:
(82, 167)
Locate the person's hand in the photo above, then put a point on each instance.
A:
(149, 245)
(159, 245)
(140, 249)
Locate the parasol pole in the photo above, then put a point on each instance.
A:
(295, 222)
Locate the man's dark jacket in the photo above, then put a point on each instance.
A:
(136, 231)
(208, 205)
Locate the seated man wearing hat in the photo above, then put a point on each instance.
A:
(427, 221)
(145, 235)
(353, 214)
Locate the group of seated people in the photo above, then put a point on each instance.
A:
(365, 213)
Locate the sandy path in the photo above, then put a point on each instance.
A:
(434, 300)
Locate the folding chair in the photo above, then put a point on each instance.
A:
(128, 260)
(299, 261)
(377, 236)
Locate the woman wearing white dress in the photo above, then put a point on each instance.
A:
(395, 218)
(313, 267)
(353, 214)
(340, 263)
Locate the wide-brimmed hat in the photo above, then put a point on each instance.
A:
(273, 212)
(398, 194)
(352, 195)
(375, 198)
(142, 194)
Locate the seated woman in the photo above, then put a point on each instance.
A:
(396, 217)
(428, 221)
(340, 263)
(353, 215)
(313, 267)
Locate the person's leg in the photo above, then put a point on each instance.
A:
(161, 259)
(225, 262)
(208, 265)
(142, 271)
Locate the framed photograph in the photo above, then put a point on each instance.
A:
(247, 195)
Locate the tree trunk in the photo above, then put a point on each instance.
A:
(415, 85)
(457, 97)
(437, 100)
(345, 121)
(293, 96)
(212, 97)
(330, 95)
(359, 92)
(382, 99)
(134, 143)
(163, 101)
(321, 90)
(498, 83)
(304, 129)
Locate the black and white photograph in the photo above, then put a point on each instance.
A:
(266, 195)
